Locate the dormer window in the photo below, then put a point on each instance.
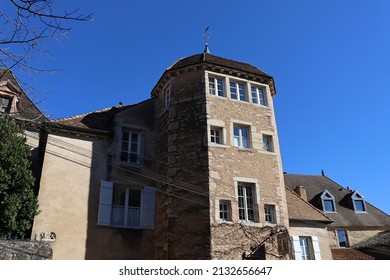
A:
(4, 105)
(328, 202)
(358, 202)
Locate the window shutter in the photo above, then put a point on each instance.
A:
(297, 248)
(149, 205)
(316, 248)
(104, 215)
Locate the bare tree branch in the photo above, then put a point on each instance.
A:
(25, 24)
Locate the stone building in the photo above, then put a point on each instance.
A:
(194, 172)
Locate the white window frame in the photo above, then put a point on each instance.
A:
(236, 85)
(303, 252)
(330, 198)
(238, 140)
(247, 202)
(225, 210)
(147, 210)
(259, 95)
(130, 153)
(216, 137)
(213, 85)
(356, 196)
(126, 209)
(270, 213)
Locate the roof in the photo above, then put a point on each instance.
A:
(301, 210)
(27, 110)
(349, 254)
(345, 216)
(377, 245)
(100, 119)
(217, 61)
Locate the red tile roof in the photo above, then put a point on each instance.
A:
(349, 254)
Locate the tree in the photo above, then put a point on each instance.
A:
(18, 203)
(25, 24)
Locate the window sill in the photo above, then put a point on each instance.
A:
(242, 149)
(212, 144)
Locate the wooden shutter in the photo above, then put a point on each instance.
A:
(297, 248)
(105, 203)
(316, 248)
(149, 206)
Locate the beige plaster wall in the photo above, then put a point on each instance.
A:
(70, 167)
(325, 238)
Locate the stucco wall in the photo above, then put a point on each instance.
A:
(325, 238)
(72, 166)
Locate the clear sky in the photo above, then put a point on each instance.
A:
(330, 61)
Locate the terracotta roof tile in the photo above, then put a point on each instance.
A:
(349, 254)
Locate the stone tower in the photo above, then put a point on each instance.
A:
(222, 192)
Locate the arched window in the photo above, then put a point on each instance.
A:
(358, 202)
(328, 202)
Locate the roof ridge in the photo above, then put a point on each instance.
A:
(83, 115)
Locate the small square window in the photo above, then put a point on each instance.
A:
(225, 210)
(268, 143)
(216, 135)
(270, 213)
(241, 136)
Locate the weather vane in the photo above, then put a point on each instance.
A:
(206, 37)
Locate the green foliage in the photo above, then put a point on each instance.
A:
(18, 203)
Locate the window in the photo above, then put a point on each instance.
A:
(216, 135)
(4, 105)
(241, 136)
(216, 86)
(258, 96)
(270, 213)
(237, 91)
(225, 210)
(246, 202)
(126, 207)
(342, 238)
(268, 143)
(358, 202)
(328, 202)
(167, 97)
(131, 147)
(306, 248)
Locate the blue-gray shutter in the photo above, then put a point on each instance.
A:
(149, 206)
(105, 203)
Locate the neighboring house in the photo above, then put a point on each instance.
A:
(15, 103)
(354, 219)
(193, 173)
(377, 246)
(308, 231)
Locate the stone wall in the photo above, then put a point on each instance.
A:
(25, 250)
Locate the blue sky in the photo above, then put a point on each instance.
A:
(329, 59)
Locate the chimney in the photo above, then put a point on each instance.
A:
(301, 191)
